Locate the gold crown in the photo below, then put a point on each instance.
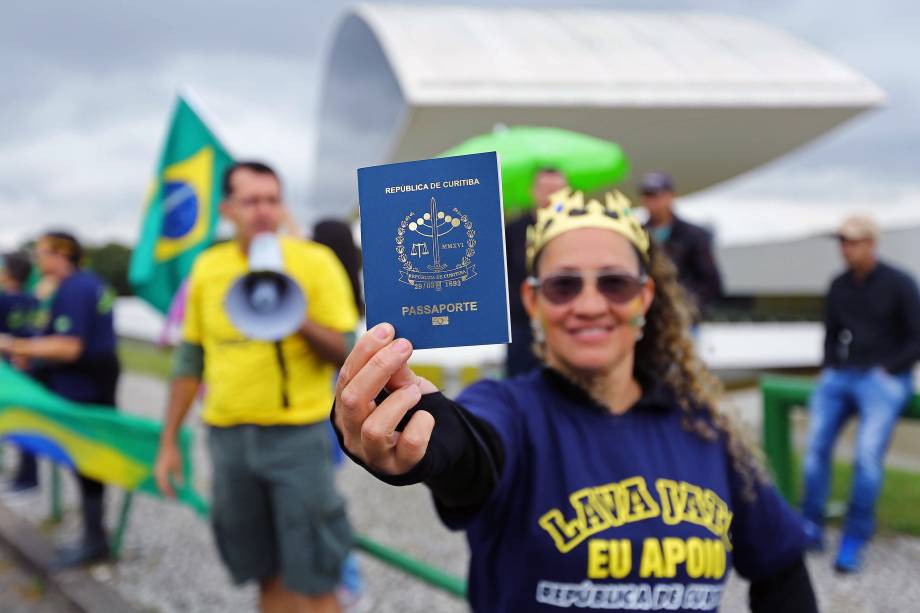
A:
(569, 211)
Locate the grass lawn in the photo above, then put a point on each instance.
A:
(145, 358)
(898, 510)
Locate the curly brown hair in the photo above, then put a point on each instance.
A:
(667, 352)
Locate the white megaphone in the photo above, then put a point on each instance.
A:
(265, 303)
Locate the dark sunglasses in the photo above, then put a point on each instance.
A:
(566, 286)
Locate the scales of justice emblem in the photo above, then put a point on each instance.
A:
(436, 249)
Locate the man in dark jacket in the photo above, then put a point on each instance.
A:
(872, 341)
(688, 245)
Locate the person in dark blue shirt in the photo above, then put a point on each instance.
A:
(607, 480)
(17, 311)
(75, 357)
(872, 341)
(16, 304)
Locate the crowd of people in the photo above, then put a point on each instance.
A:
(599, 472)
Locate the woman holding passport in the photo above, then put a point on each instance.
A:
(606, 480)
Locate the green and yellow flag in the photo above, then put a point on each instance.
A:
(116, 448)
(181, 213)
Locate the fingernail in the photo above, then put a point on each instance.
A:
(403, 347)
(382, 331)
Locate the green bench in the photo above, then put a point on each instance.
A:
(780, 396)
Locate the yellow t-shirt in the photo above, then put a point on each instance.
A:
(246, 383)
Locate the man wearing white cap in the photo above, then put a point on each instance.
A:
(872, 321)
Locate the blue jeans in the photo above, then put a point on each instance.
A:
(877, 398)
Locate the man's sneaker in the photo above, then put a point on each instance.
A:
(850, 554)
(814, 535)
(83, 552)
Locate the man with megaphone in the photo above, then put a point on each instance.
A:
(267, 322)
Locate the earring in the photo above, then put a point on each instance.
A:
(638, 322)
(536, 330)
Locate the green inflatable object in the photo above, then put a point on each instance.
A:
(590, 163)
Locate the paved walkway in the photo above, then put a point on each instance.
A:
(20, 592)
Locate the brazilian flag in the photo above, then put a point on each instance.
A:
(181, 212)
(105, 445)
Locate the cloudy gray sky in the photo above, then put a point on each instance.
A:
(87, 88)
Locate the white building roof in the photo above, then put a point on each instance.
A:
(589, 57)
(705, 97)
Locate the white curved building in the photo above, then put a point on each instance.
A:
(706, 97)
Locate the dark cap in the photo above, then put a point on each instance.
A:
(654, 182)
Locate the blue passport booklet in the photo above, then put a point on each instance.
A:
(433, 246)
